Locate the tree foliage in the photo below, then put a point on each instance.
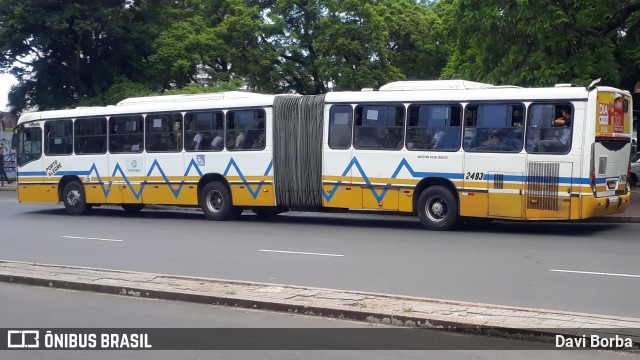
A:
(66, 53)
(63, 51)
(533, 43)
(208, 42)
(351, 44)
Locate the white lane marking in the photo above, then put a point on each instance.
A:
(595, 273)
(89, 238)
(299, 253)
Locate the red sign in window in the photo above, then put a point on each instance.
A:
(618, 116)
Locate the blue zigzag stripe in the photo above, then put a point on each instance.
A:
(379, 197)
(327, 196)
(244, 180)
(174, 191)
(423, 174)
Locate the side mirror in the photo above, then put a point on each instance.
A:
(14, 140)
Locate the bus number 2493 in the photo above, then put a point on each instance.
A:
(474, 176)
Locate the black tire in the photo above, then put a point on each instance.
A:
(438, 208)
(633, 179)
(216, 203)
(267, 212)
(74, 199)
(132, 208)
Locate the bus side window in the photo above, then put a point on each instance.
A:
(543, 135)
(494, 127)
(125, 134)
(379, 127)
(58, 137)
(163, 132)
(340, 121)
(246, 129)
(90, 135)
(434, 127)
(204, 131)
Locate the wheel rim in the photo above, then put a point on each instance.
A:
(436, 208)
(74, 197)
(214, 201)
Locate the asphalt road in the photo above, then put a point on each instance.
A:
(548, 265)
(28, 307)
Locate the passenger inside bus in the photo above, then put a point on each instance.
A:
(258, 144)
(436, 140)
(492, 140)
(241, 139)
(197, 140)
(217, 143)
(392, 139)
(558, 140)
(366, 138)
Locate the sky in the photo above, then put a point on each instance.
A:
(6, 80)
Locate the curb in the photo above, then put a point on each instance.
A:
(458, 316)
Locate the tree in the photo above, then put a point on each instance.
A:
(62, 52)
(208, 42)
(301, 46)
(353, 44)
(417, 41)
(121, 89)
(533, 43)
(628, 50)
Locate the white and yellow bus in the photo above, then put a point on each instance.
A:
(440, 149)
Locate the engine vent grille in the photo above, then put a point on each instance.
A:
(498, 181)
(542, 186)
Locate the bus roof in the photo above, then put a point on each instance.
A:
(191, 97)
(435, 85)
(402, 91)
(228, 100)
(498, 93)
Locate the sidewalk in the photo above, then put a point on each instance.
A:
(518, 322)
(9, 187)
(486, 319)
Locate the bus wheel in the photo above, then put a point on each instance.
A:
(132, 208)
(437, 208)
(215, 200)
(74, 199)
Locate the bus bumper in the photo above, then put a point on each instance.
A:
(592, 206)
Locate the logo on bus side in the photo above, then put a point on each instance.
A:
(132, 167)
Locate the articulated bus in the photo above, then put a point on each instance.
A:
(443, 150)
